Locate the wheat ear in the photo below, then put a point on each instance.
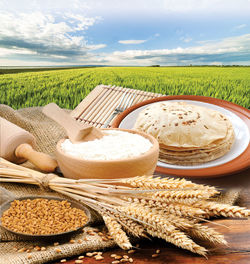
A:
(187, 201)
(150, 182)
(116, 232)
(177, 196)
(146, 216)
(179, 222)
(179, 239)
(175, 208)
(206, 233)
(215, 209)
(131, 226)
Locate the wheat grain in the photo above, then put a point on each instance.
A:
(116, 232)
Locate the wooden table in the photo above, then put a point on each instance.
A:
(237, 234)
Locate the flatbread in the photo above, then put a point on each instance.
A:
(187, 134)
(182, 125)
(189, 151)
(197, 155)
(196, 160)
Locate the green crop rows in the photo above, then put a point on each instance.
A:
(67, 87)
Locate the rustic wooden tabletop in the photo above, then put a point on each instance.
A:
(236, 231)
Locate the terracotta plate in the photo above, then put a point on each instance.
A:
(237, 159)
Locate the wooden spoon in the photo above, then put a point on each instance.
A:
(76, 132)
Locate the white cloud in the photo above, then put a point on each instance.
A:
(46, 6)
(186, 39)
(6, 52)
(216, 63)
(132, 41)
(206, 6)
(46, 34)
(227, 50)
(170, 6)
(234, 50)
(240, 26)
(138, 41)
(117, 7)
(96, 47)
(83, 23)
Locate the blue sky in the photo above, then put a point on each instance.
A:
(131, 32)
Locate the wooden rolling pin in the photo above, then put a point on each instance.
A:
(16, 145)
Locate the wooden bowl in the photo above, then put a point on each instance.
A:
(78, 168)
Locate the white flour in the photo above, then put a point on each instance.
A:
(115, 145)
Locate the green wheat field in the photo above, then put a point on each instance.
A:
(67, 87)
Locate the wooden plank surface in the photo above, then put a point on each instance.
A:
(100, 103)
(236, 231)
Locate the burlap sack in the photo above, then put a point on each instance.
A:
(47, 133)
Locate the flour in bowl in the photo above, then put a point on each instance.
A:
(115, 145)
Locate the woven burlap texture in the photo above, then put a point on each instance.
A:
(47, 134)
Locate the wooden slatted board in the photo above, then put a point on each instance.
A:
(98, 105)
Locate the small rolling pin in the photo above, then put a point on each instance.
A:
(16, 145)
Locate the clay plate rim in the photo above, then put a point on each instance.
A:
(236, 165)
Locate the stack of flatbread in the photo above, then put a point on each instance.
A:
(188, 134)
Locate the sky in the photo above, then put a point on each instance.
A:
(124, 33)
